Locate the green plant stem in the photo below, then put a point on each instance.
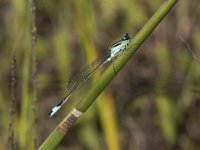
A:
(109, 74)
(56, 136)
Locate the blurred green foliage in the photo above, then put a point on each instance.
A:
(156, 96)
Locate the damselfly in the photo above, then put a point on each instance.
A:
(77, 80)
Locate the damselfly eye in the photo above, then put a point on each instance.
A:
(126, 37)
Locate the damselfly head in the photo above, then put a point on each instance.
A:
(126, 37)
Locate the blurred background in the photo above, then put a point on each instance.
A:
(152, 104)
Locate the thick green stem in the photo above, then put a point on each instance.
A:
(57, 135)
(109, 74)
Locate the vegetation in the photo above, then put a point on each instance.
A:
(152, 103)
